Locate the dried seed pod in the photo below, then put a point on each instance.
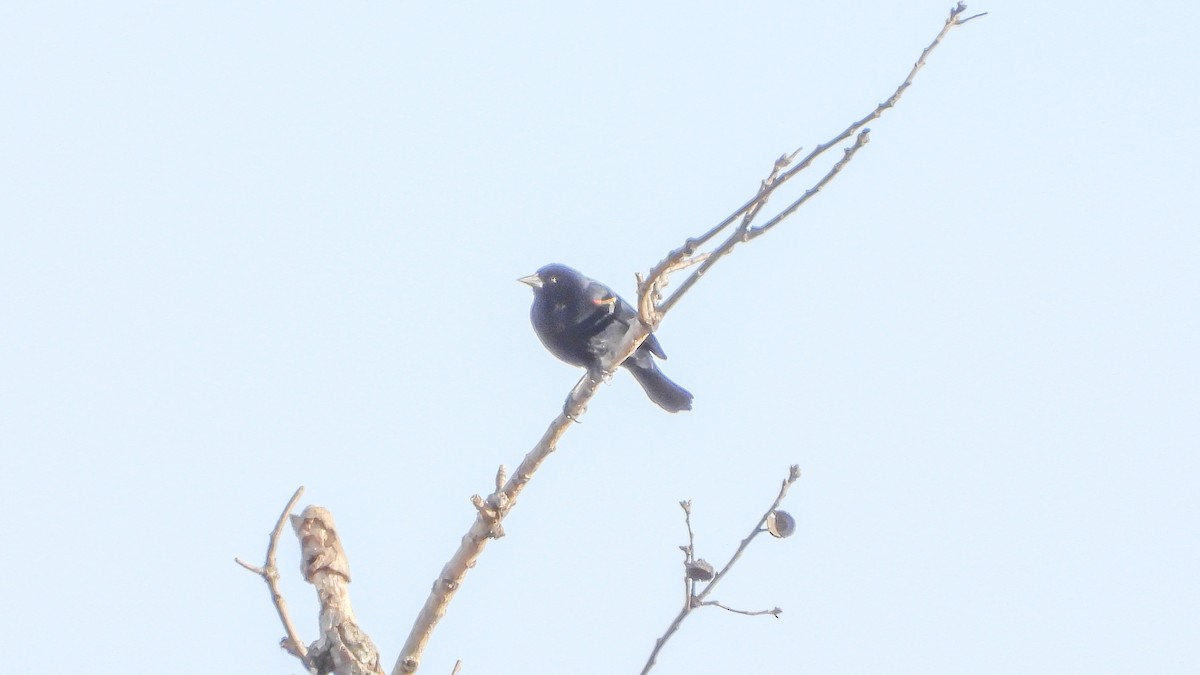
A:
(699, 570)
(781, 524)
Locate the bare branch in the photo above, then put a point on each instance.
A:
(491, 511)
(343, 647)
(778, 176)
(270, 574)
(662, 641)
(793, 476)
(693, 600)
(862, 139)
(743, 231)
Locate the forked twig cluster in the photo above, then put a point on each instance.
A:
(651, 305)
(698, 571)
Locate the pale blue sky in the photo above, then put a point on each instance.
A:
(248, 247)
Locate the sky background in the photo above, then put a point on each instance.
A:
(246, 247)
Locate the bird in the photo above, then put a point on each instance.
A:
(581, 321)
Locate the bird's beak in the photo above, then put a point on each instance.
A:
(532, 280)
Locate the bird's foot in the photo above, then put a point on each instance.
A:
(570, 403)
(600, 375)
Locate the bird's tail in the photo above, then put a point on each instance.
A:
(668, 395)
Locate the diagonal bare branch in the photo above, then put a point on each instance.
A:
(490, 511)
(779, 176)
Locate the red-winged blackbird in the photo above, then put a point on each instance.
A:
(581, 320)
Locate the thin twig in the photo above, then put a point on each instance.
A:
(688, 553)
(863, 138)
(775, 612)
(892, 100)
(270, 573)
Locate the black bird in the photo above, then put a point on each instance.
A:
(581, 320)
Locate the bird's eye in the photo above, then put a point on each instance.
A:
(553, 279)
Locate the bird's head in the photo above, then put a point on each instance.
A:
(554, 279)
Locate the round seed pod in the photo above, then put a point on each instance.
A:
(699, 570)
(781, 524)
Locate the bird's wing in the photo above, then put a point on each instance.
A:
(624, 313)
(599, 294)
